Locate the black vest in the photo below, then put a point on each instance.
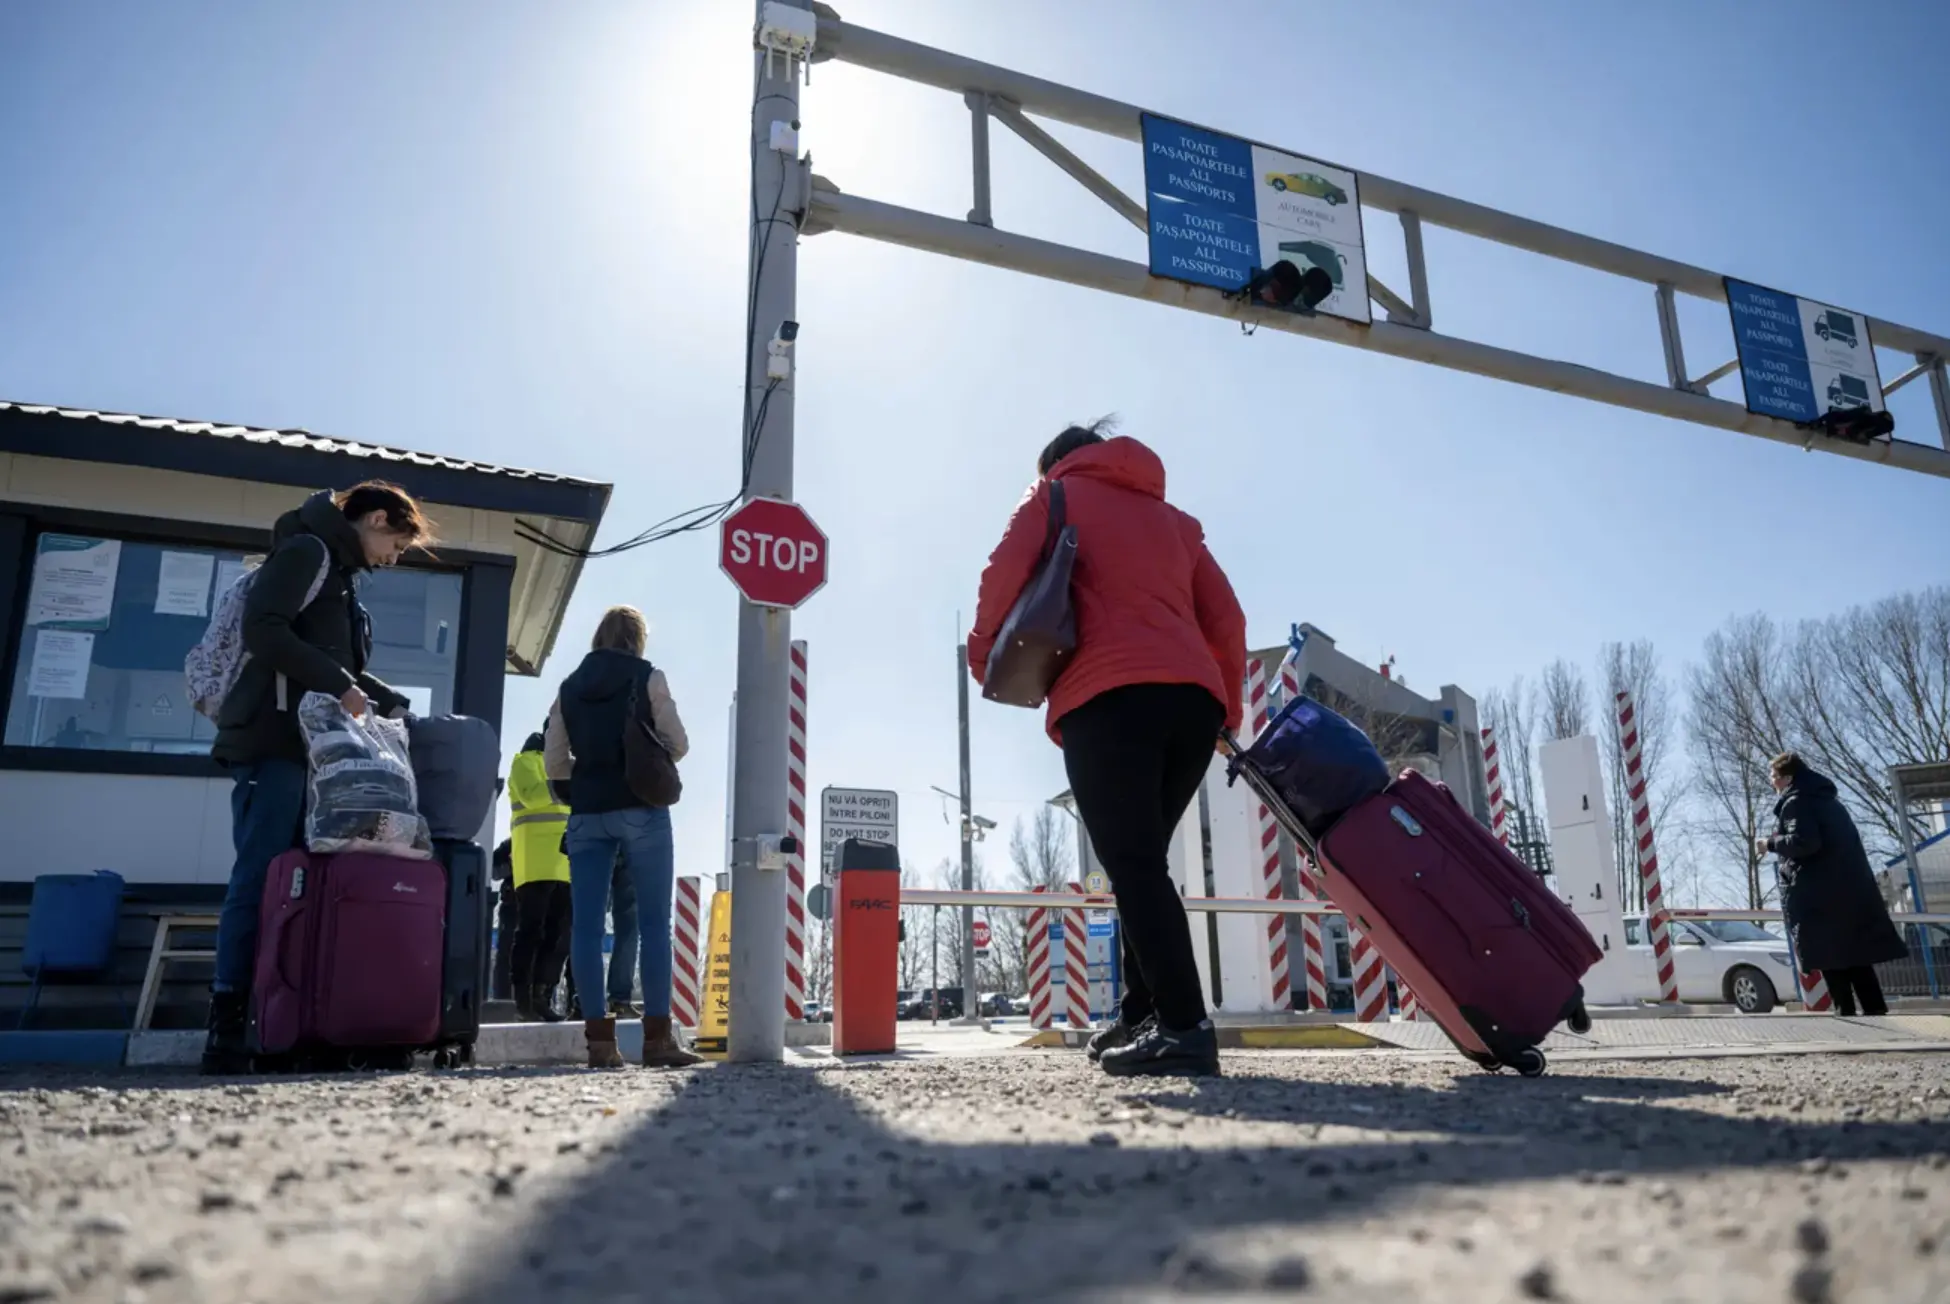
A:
(594, 701)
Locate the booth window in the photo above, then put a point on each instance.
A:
(108, 621)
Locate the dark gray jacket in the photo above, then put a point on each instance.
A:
(320, 648)
(1834, 912)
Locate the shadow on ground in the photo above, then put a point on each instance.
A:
(758, 1181)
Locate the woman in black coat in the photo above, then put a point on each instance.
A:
(1835, 914)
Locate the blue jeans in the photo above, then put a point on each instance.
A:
(623, 923)
(643, 837)
(267, 817)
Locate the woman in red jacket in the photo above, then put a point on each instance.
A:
(1159, 667)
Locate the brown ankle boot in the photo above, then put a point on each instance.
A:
(660, 1048)
(601, 1036)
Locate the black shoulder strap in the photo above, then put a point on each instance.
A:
(1058, 517)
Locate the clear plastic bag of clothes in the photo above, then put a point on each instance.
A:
(362, 793)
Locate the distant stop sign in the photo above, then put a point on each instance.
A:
(773, 553)
(981, 934)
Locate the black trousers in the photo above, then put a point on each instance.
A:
(541, 934)
(1135, 757)
(1857, 985)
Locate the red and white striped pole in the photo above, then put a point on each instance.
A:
(1076, 964)
(1312, 943)
(1655, 898)
(1493, 773)
(1259, 710)
(1411, 1009)
(1040, 1013)
(683, 951)
(1370, 978)
(1814, 993)
(795, 825)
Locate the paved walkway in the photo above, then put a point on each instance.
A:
(995, 1176)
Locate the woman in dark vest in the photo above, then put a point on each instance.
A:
(584, 749)
(296, 647)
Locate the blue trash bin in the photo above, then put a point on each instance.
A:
(71, 926)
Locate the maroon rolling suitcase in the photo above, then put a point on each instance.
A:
(351, 958)
(1491, 953)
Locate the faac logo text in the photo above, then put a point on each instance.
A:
(869, 903)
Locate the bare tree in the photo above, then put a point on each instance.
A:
(1868, 689)
(1732, 734)
(1565, 700)
(1039, 856)
(1512, 713)
(1634, 668)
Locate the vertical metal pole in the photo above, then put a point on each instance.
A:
(1669, 333)
(1899, 792)
(978, 127)
(758, 792)
(1418, 271)
(968, 1013)
(934, 972)
(1940, 395)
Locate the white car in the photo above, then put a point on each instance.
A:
(1724, 960)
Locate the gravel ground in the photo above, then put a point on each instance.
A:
(1027, 1176)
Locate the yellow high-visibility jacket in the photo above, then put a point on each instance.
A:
(538, 824)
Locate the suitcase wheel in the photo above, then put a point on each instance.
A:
(453, 1057)
(1531, 1063)
(1580, 1021)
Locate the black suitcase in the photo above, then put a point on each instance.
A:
(464, 984)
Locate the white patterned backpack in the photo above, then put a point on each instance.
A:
(213, 665)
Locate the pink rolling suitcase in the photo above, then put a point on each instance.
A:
(351, 954)
(1489, 951)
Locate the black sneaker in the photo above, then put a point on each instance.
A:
(1160, 1052)
(621, 1008)
(227, 1050)
(1118, 1034)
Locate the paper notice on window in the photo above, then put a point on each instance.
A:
(60, 665)
(74, 582)
(230, 570)
(183, 584)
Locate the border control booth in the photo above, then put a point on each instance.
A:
(116, 533)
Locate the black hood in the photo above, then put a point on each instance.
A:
(320, 516)
(535, 743)
(1808, 783)
(604, 675)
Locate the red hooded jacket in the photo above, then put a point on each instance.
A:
(1152, 605)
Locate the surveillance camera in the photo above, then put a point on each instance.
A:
(788, 331)
(982, 823)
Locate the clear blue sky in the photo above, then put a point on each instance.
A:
(516, 232)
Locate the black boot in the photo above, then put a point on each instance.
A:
(542, 1003)
(227, 1049)
(1160, 1052)
(1118, 1034)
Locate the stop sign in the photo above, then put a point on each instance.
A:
(773, 552)
(981, 934)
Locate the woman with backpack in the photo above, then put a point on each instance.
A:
(613, 689)
(302, 631)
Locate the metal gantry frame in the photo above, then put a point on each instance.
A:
(1001, 95)
(806, 204)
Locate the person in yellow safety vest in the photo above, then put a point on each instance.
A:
(541, 886)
